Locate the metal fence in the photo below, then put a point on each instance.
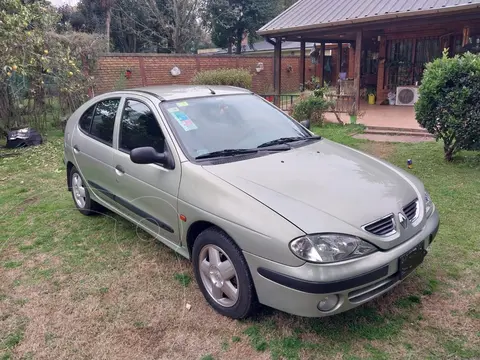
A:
(341, 103)
(284, 102)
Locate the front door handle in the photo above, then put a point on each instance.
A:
(119, 170)
(76, 150)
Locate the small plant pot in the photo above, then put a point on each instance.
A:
(353, 119)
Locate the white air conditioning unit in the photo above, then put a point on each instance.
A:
(407, 95)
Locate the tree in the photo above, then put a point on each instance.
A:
(36, 62)
(94, 14)
(147, 25)
(70, 18)
(231, 20)
(448, 102)
(285, 4)
(107, 7)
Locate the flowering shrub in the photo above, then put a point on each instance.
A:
(42, 74)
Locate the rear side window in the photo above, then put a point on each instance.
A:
(104, 120)
(139, 128)
(86, 119)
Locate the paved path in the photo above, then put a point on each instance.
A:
(393, 138)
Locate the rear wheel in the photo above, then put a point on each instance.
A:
(223, 275)
(81, 196)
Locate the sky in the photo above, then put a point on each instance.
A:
(63, 2)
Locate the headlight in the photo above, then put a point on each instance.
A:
(328, 248)
(428, 204)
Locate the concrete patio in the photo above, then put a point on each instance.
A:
(383, 116)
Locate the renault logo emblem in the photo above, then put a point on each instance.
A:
(403, 220)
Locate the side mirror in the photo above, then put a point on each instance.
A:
(148, 155)
(306, 123)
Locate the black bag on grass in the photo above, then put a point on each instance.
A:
(23, 138)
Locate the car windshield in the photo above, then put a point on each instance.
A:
(214, 124)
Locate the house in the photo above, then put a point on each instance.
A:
(292, 48)
(391, 40)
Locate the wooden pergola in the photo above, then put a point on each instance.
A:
(445, 23)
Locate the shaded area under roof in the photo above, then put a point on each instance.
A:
(310, 14)
(263, 45)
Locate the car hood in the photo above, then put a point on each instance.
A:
(322, 184)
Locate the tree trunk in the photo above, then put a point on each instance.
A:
(107, 27)
(449, 153)
(449, 147)
(239, 41)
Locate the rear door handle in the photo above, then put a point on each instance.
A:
(76, 149)
(119, 170)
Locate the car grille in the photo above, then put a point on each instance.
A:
(372, 290)
(412, 210)
(382, 227)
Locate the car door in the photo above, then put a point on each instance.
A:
(148, 192)
(92, 144)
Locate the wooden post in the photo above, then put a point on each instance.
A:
(358, 69)
(321, 61)
(340, 59)
(351, 62)
(382, 53)
(277, 70)
(414, 57)
(302, 65)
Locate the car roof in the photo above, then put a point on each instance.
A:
(177, 92)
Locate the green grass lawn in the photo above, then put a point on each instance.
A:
(97, 287)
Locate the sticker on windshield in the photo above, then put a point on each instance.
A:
(182, 104)
(180, 116)
(173, 109)
(185, 122)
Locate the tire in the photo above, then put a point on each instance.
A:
(215, 276)
(86, 206)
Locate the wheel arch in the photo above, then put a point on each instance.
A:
(196, 228)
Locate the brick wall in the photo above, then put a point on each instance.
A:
(154, 69)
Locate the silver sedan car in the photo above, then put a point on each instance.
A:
(267, 211)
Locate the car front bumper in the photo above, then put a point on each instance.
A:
(299, 290)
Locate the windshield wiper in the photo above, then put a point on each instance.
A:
(287, 140)
(226, 152)
(234, 152)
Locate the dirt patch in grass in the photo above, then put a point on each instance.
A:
(20, 208)
(382, 150)
(447, 312)
(136, 312)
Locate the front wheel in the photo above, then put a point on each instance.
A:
(81, 196)
(223, 275)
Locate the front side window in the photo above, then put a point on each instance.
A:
(139, 128)
(211, 124)
(104, 120)
(86, 119)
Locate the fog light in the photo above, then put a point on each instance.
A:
(328, 303)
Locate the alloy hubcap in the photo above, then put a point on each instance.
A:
(219, 275)
(78, 190)
(216, 277)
